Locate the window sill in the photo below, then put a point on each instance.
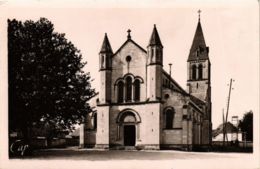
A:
(176, 128)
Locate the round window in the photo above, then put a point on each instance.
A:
(166, 96)
(128, 58)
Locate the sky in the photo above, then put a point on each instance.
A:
(231, 30)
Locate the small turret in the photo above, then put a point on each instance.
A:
(105, 67)
(154, 67)
(105, 54)
(155, 48)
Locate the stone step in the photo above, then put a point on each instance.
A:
(130, 147)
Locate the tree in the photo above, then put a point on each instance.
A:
(46, 80)
(246, 125)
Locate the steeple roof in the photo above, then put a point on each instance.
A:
(155, 39)
(198, 50)
(106, 47)
(198, 39)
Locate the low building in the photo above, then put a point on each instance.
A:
(233, 133)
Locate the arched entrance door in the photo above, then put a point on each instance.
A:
(129, 135)
(129, 121)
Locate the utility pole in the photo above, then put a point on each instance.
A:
(228, 102)
(223, 129)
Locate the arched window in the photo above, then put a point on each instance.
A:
(137, 90)
(194, 72)
(128, 88)
(107, 62)
(169, 116)
(95, 121)
(102, 62)
(153, 55)
(158, 55)
(200, 71)
(120, 93)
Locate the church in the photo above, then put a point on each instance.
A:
(141, 106)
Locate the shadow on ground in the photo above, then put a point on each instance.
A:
(95, 155)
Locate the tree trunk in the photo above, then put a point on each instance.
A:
(26, 134)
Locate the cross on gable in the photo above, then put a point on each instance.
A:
(129, 35)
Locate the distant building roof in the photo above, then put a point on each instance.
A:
(75, 133)
(230, 128)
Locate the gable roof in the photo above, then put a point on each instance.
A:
(230, 128)
(130, 41)
(194, 100)
(177, 86)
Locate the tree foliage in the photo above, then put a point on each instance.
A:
(246, 125)
(46, 81)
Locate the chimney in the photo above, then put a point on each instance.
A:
(170, 72)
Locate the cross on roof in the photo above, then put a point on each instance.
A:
(128, 36)
(199, 11)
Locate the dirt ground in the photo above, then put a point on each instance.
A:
(74, 157)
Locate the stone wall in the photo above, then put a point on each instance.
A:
(102, 135)
(176, 101)
(198, 88)
(90, 138)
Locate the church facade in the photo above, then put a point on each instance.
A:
(140, 105)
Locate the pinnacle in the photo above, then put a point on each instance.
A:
(106, 47)
(155, 39)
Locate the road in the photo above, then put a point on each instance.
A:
(87, 158)
(101, 155)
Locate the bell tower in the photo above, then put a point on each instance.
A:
(198, 82)
(105, 68)
(154, 67)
